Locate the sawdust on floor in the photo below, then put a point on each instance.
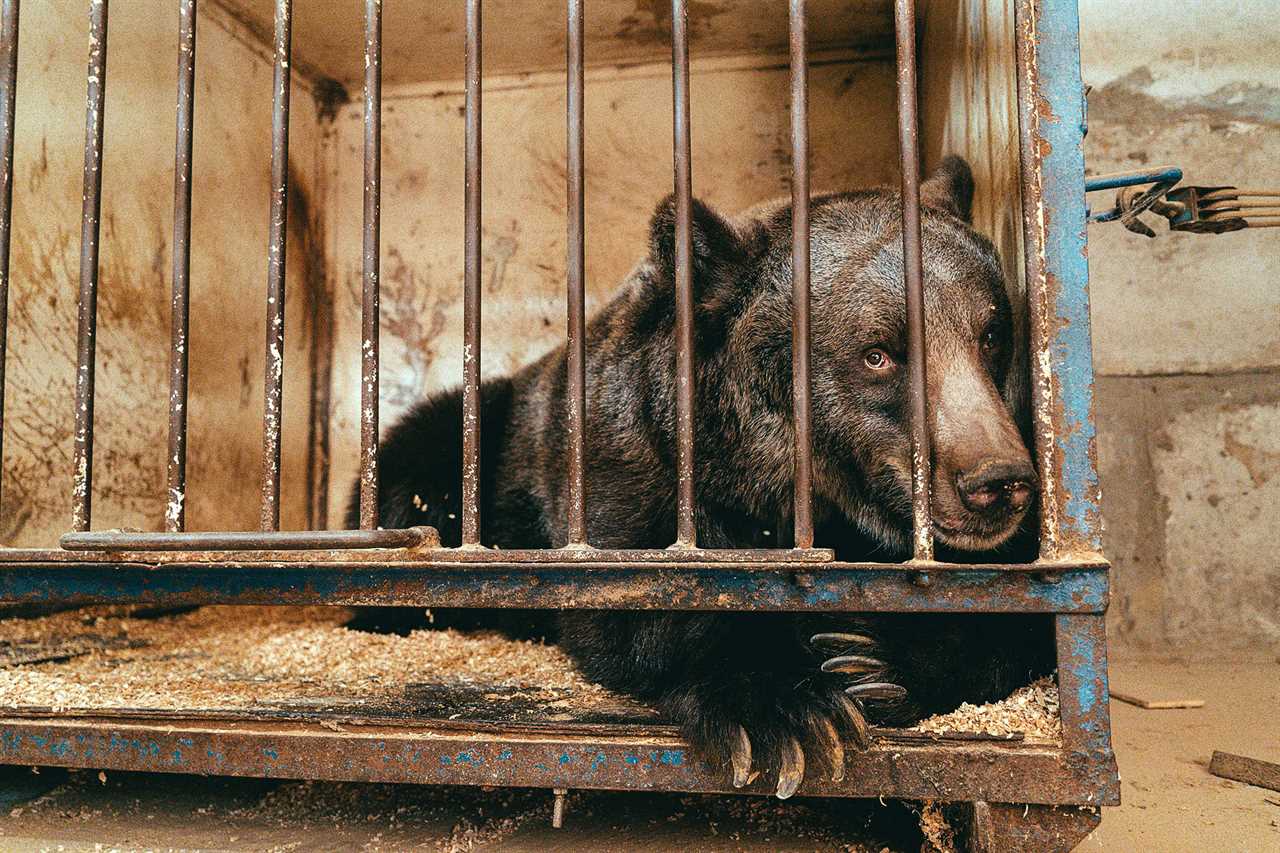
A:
(237, 657)
(1031, 711)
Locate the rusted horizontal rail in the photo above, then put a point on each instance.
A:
(324, 578)
(295, 750)
(241, 547)
(116, 540)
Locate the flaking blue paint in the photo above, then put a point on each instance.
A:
(564, 758)
(599, 761)
(1084, 667)
(271, 753)
(505, 755)
(1067, 262)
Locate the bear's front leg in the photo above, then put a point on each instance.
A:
(756, 693)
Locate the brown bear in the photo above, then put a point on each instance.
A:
(750, 690)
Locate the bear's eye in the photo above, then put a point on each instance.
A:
(990, 340)
(877, 359)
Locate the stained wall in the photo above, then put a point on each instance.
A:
(228, 273)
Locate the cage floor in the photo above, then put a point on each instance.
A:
(251, 662)
(290, 662)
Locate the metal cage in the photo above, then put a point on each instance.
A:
(407, 567)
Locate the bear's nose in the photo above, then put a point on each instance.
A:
(997, 486)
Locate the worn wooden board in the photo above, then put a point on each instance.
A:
(1251, 771)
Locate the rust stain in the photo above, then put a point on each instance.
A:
(650, 23)
(1261, 464)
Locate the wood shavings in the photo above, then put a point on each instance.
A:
(939, 837)
(1031, 710)
(241, 657)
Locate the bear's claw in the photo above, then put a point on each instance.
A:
(825, 734)
(876, 690)
(853, 665)
(740, 757)
(856, 721)
(791, 771)
(841, 642)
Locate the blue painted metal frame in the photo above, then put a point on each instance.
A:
(1051, 114)
(834, 587)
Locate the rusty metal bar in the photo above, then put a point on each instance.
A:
(686, 529)
(803, 483)
(277, 240)
(175, 515)
(86, 339)
(471, 284)
(913, 271)
(654, 758)
(1083, 699)
(117, 540)
(592, 558)
(1050, 112)
(576, 345)
(369, 314)
(8, 103)
(430, 577)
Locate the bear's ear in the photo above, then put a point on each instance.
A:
(950, 188)
(716, 245)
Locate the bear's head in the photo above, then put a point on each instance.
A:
(983, 480)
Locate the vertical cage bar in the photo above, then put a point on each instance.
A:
(273, 384)
(1081, 644)
(800, 276)
(913, 271)
(8, 101)
(471, 285)
(686, 531)
(86, 340)
(369, 315)
(175, 515)
(1050, 116)
(575, 266)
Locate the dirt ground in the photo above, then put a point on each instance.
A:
(1171, 802)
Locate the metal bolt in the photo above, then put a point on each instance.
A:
(557, 807)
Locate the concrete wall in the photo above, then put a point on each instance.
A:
(1187, 328)
(228, 274)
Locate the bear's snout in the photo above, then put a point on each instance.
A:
(996, 487)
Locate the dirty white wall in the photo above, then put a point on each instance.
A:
(1187, 328)
(228, 269)
(741, 156)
